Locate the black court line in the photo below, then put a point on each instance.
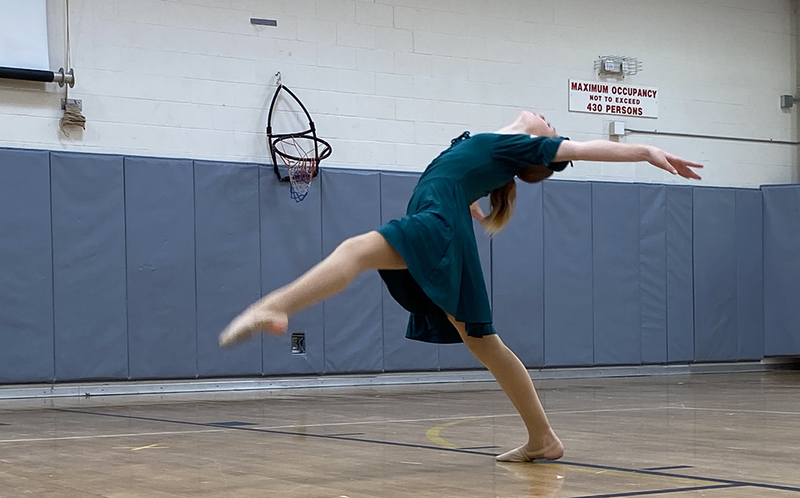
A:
(346, 434)
(682, 476)
(233, 423)
(663, 491)
(478, 447)
(673, 467)
(440, 448)
(274, 431)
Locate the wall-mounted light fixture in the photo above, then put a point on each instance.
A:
(617, 65)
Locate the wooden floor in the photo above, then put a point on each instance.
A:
(715, 435)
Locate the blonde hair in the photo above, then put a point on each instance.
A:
(502, 199)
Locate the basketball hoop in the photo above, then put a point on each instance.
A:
(300, 152)
(302, 164)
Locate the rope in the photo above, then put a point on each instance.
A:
(72, 117)
(67, 60)
(72, 113)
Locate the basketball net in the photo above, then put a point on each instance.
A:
(301, 167)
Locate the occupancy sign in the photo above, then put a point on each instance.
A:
(600, 97)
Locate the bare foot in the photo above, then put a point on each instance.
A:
(244, 326)
(549, 449)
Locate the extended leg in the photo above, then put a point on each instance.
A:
(513, 377)
(369, 251)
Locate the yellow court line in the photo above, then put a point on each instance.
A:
(156, 446)
(433, 433)
(148, 446)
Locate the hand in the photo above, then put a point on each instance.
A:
(476, 211)
(672, 164)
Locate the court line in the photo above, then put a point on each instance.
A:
(221, 428)
(437, 419)
(101, 436)
(149, 446)
(734, 410)
(682, 476)
(663, 491)
(395, 421)
(433, 434)
(648, 476)
(671, 467)
(272, 431)
(439, 448)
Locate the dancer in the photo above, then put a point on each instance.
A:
(429, 258)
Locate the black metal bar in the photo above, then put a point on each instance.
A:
(13, 73)
(712, 137)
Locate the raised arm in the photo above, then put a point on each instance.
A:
(602, 150)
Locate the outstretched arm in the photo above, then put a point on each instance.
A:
(602, 150)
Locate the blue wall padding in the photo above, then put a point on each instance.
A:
(227, 238)
(750, 274)
(89, 281)
(162, 313)
(715, 282)
(351, 205)
(115, 268)
(616, 261)
(680, 285)
(291, 243)
(26, 267)
(518, 278)
(781, 270)
(400, 353)
(568, 334)
(653, 272)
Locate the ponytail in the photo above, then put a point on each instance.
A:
(502, 200)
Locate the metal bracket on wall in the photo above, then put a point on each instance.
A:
(76, 102)
(263, 22)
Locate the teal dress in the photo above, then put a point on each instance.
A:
(436, 238)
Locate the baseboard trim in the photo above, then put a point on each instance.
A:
(381, 379)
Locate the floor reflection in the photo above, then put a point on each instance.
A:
(544, 480)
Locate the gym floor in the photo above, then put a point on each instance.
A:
(711, 435)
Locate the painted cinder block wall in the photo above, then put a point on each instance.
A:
(389, 82)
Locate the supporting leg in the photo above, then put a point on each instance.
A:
(369, 251)
(513, 377)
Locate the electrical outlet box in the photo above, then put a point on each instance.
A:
(299, 343)
(616, 129)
